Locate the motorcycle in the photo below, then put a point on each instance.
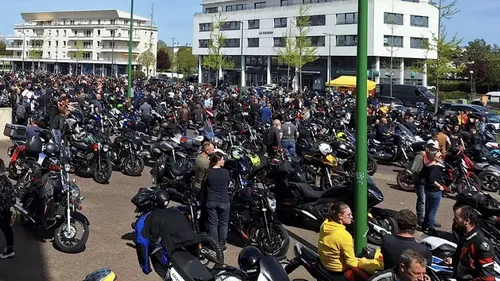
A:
(68, 221)
(344, 152)
(123, 155)
(442, 250)
(299, 202)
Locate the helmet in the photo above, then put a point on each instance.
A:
(237, 153)
(103, 274)
(248, 259)
(341, 136)
(325, 148)
(34, 146)
(51, 148)
(161, 199)
(255, 159)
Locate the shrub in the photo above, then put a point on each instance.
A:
(138, 74)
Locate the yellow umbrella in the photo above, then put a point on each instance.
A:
(349, 82)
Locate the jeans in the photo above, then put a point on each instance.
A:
(218, 220)
(419, 188)
(290, 147)
(432, 202)
(6, 228)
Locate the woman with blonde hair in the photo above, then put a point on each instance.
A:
(336, 247)
(434, 187)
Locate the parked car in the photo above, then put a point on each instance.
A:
(389, 100)
(410, 95)
(454, 108)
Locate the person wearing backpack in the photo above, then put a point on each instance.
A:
(22, 112)
(7, 200)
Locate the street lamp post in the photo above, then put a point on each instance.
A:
(173, 57)
(329, 61)
(131, 31)
(242, 60)
(471, 83)
(113, 53)
(24, 46)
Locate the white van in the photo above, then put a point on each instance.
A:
(493, 97)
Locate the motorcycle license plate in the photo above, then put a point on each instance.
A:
(41, 157)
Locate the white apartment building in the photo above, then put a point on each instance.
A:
(99, 38)
(397, 27)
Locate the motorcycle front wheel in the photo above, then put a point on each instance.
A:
(102, 174)
(133, 167)
(372, 167)
(388, 223)
(404, 181)
(211, 252)
(489, 181)
(66, 241)
(276, 244)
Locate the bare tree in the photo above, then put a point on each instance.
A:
(393, 20)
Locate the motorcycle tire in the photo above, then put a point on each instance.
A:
(210, 244)
(80, 246)
(270, 246)
(371, 166)
(133, 169)
(107, 167)
(489, 181)
(404, 183)
(475, 179)
(388, 223)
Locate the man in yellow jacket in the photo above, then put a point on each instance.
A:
(336, 246)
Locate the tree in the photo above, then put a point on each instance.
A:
(493, 75)
(477, 55)
(147, 59)
(3, 49)
(163, 60)
(288, 53)
(77, 54)
(162, 45)
(186, 62)
(303, 47)
(392, 47)
(216, 59)
(35, 55)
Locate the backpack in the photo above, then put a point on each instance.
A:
(7, 194)
(21, 111)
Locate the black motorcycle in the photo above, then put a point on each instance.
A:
(66, 222)
(89, 156)
(123, 155)
(299, 202)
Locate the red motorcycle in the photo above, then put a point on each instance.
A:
(458, 173)
(17, 165)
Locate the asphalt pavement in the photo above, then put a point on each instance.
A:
(110, 212)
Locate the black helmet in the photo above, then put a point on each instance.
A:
(51, 148)
(34, 146)
(161, 199)
(248, 259)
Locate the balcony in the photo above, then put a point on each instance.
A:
(81, 37)
(120, 38)
(14, 47)
(119, 49)
(84, 48)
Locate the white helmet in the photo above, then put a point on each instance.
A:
(325, 149)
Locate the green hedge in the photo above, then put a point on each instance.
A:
(138, 74)
(452, 95)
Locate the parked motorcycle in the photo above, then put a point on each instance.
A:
(123, 155)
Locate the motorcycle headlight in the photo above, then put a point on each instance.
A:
(105, 148)
(75, 192)
(67, 167)
(271, 203)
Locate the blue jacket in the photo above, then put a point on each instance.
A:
(267, 114)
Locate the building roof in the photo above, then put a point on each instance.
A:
(74, 15)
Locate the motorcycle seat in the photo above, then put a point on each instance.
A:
(296, 160)
(189, 267)
(80, 145)
(324, 274)
(444, 251)
(306, 190)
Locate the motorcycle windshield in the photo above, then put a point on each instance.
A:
(57, 137)
(400, 129)
(271, 269)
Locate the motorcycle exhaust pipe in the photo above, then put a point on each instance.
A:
(23, 211)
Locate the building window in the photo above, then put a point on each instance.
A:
(64, 43)
(253, 24)
(205, 26)
(232, 43)
(98, 21)
(98, 33)
(393, 41)
(49, 43)
(86, 56)
(253, 42)
(392, 18)
(347, 18)
(347, 40)
(231, 8)
(57, 32)
(230, 25)
(48, 54)
(203, 43)
(212, 10)
(317, 20)
(285, 3)
(418, 43)
(314, 1)
(64, 33)
(259, 5)
(112, 22)
(279, 42)
(57, 44)
(280, 22)
(317, 41)
(419, 21)
(72, 22)
(98, 43)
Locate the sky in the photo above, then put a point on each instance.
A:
(476, 19)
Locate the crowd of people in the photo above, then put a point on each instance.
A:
(46, 99)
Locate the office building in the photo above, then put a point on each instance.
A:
(255, 29)
(81, 42)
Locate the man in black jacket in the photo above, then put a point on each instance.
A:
(474, 259)
(411, 267)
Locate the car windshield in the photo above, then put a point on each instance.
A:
(493, 118)
(426, 92)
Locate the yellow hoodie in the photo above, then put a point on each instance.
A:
(336, 250)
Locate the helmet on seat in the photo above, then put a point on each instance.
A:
(161, 199)
(248, 259)
(103, 274)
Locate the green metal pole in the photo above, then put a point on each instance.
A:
(361, 209)
(131, 31)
